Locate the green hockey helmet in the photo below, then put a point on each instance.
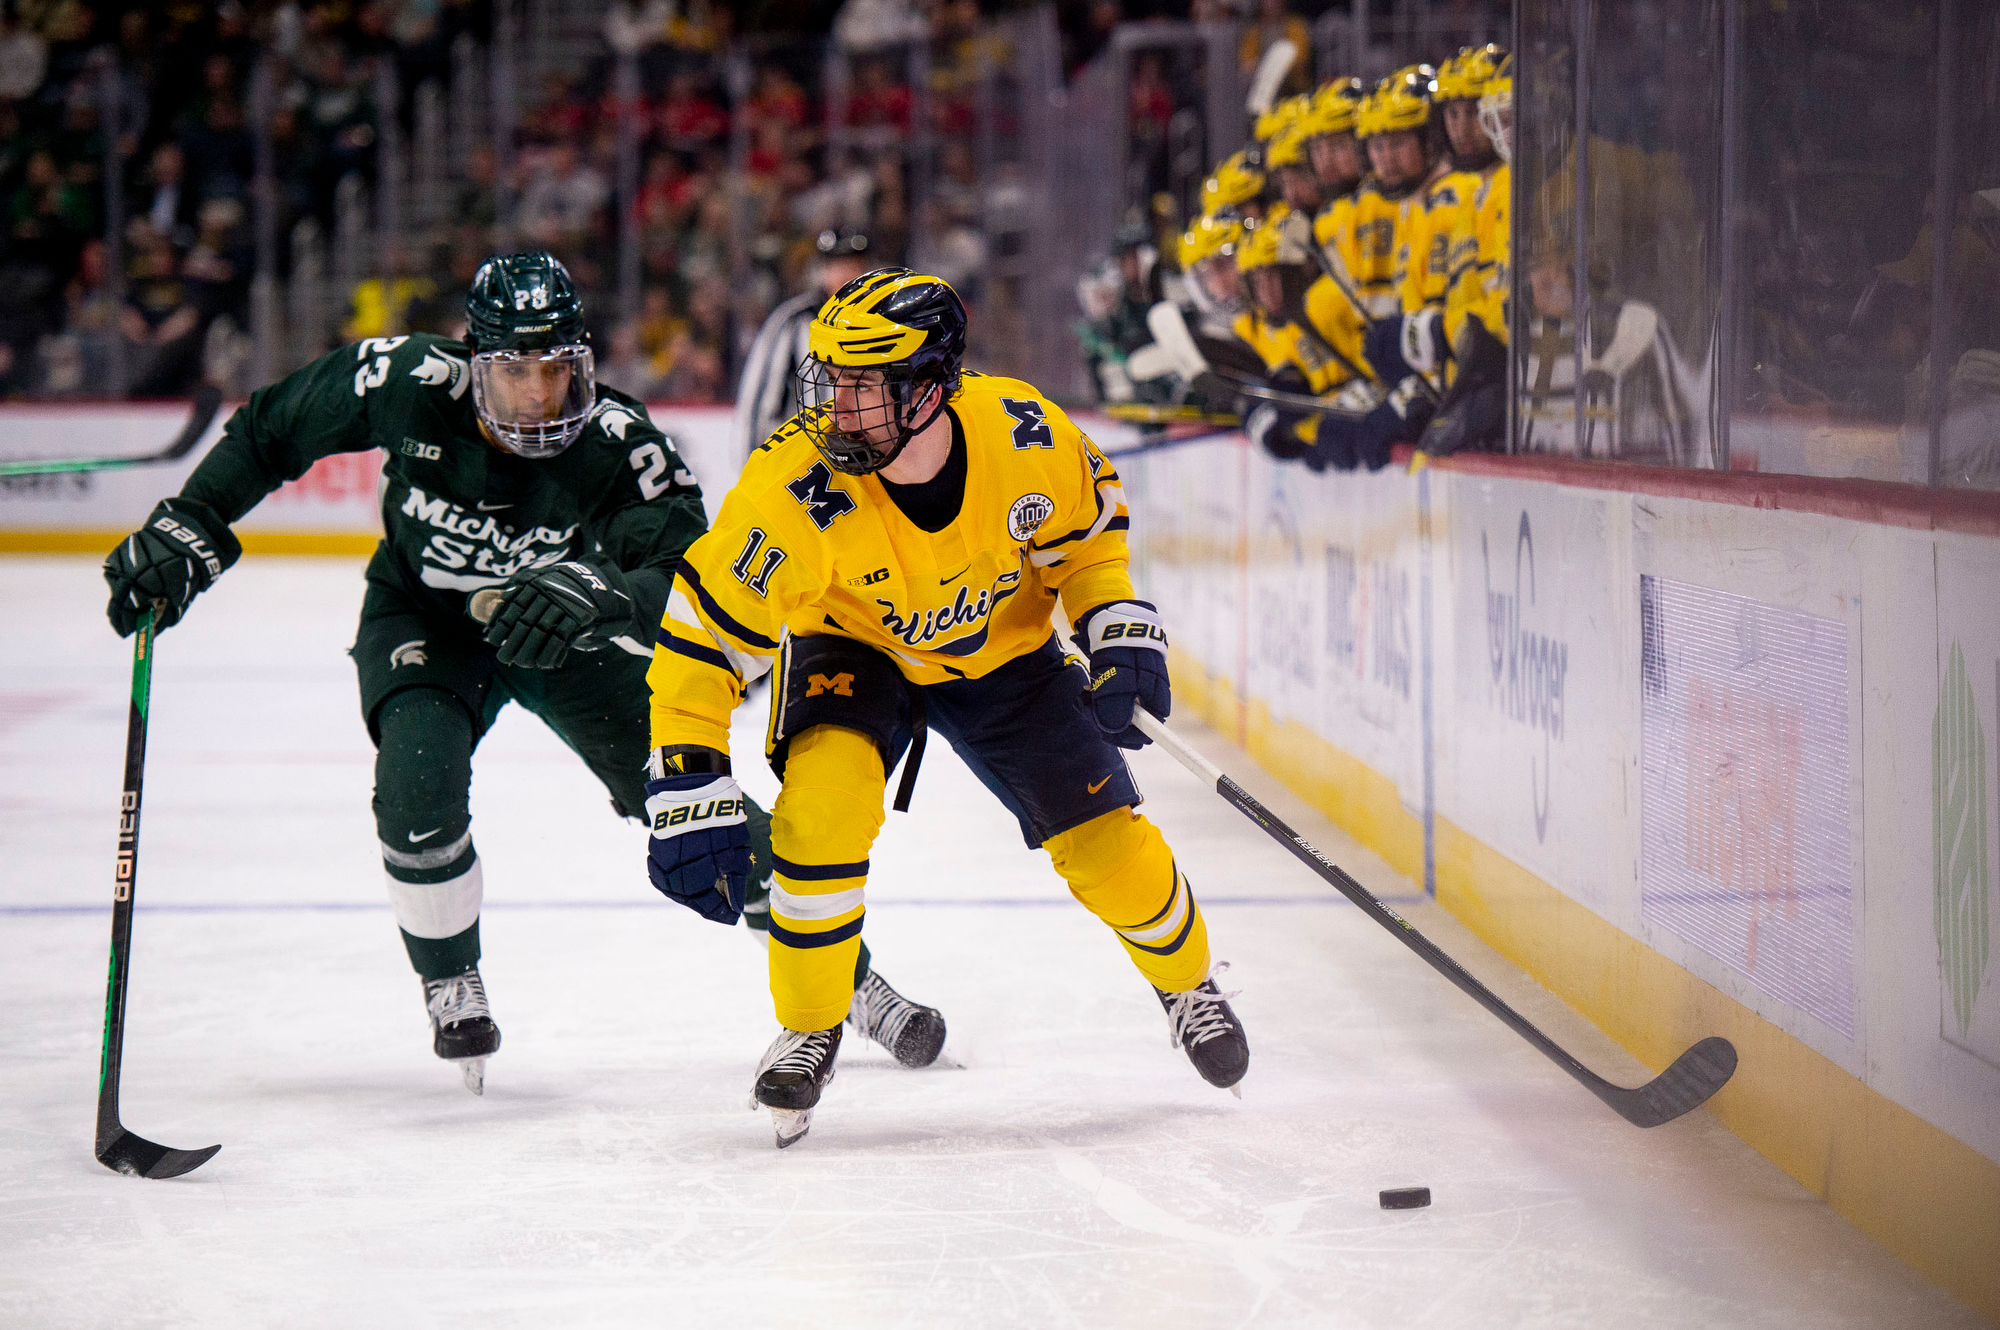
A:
(533, 374)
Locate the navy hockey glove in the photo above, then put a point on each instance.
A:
(1128, 667)
(178, 554)
(1400, 419)
(545, 612)
(699, 854)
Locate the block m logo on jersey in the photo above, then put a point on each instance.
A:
(840, 685)
(823, 503)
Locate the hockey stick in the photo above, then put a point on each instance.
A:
(207, 401)
(1170, 333)
(1687, 1084)
(118, 1149)
(1271, 71)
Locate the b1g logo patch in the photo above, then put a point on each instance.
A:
(1028, 513)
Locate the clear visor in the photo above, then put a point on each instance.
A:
(1217, 287)
(535, 403)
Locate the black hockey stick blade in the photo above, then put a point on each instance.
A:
(137, 1157)
(1694, 1076)
(1686, 1085)
(201, 414)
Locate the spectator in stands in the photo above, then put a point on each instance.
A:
(220, 155)
(24, 57)
(167, 204)
(869, 25)
(631, 26)
(161, 322)
(561, 205)
(689, 118)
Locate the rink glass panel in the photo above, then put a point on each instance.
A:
(1834, 139)
(1544, 177)
(1755, 275)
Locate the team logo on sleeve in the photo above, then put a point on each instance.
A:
(1027, 515)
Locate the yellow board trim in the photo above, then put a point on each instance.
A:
(345, 543)
(1922, 1193)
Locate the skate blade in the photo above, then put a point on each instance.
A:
(475, 1074)
(791, 1125)
(1237, 1089)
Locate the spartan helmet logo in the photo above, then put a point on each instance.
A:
(410, 653)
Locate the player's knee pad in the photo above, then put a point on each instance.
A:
(1121, 868)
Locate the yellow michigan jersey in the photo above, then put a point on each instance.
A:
(1479, 261)
(799, 548)
(1423, 238)
(1338, 324)
(1357, 232)
(1281, 344)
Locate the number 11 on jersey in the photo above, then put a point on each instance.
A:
(760, 581)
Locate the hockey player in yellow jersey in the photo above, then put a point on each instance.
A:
(1442, 239)
(1473, 411)
(894, 555)
(1390, 218)
(1333, 145)
(1299, 354)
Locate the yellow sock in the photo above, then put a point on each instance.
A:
(1120, 867)
(822, 827)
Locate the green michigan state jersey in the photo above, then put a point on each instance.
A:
(458, 514)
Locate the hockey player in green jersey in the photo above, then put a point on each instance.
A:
(506, 466)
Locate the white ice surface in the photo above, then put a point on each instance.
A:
(1070, 1170)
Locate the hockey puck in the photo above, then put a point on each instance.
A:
(484, 601)
(1406, 1198)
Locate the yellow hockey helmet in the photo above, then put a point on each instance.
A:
(1336, 108)
(1234, 184)
(1400, 101)
(1209, 238)
(885, 340)
(1467, 74)
(1259, 248)
(1288, 148)
(1280, 117)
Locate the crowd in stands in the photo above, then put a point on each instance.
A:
(731, 192)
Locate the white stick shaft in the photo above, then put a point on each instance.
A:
(1156, 729)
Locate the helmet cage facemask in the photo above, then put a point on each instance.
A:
(535, 438)
(903, 388)
(1496, 117)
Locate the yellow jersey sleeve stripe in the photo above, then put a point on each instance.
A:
(707, 655)
(720, 617)
(682, 615)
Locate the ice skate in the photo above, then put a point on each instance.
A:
(795, 1069)
(911, 1031)
(462, 1027)
(1203, 1025)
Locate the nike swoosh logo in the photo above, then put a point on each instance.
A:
(414, 837)
(1095, 788)
(485, 507)
(947, 581)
